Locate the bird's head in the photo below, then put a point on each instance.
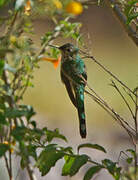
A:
(68, 49)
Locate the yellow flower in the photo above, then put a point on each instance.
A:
(74, 8)
(58, 4)
(5, 142)
(11, 144)
(13, 39)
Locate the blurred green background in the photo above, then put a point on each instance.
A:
(109, 43)
(112, 47)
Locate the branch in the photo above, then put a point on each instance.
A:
(47, 43)
(13, 104)
(109, 72)
(30, 172)
(112, 4)
(114, 115)
(114, 85)
(106, 107)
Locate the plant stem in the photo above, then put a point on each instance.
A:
(127, 104)
(7, 165)
(12, 104)
(123, 20)
(136, 144)
(30, 172)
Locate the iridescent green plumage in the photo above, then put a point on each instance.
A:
(73, 75)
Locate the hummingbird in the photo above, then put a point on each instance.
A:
(74, 76)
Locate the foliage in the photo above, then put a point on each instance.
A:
(19, 56)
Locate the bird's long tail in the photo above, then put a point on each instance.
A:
(81, 111)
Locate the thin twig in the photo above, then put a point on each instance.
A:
(10, 28)
(30, 172)
(136, 128)
(47, 43)
(13, 104)
(114, 85)
(10, 155)
(7, 165)
(109, 72)
(136, 113)
(106, 105)
(114, 115)
(129, 94)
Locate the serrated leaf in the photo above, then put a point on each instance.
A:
(47, 160)
(3, 149)
(93, 146)
(67, 166)
(91, 172)
(78, 163)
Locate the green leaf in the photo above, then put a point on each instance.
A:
(2, 3)
(129, 160)
(131, 17)
(67, 149)
(67, 166)
(29, 111)
(133, 153)
(54, 134)
(129, 7)
(22, 110)
(32, 150)
(3, 119)
(91, 172)
(14, 113)
(2, 62)
(3, 149)
(78, 163)
(47, 160)
(93, 146)
(24, 162)
(19, 132)
(112, 168)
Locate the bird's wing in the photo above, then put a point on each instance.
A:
(84, 74)
(74, 73)
(69, 88)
